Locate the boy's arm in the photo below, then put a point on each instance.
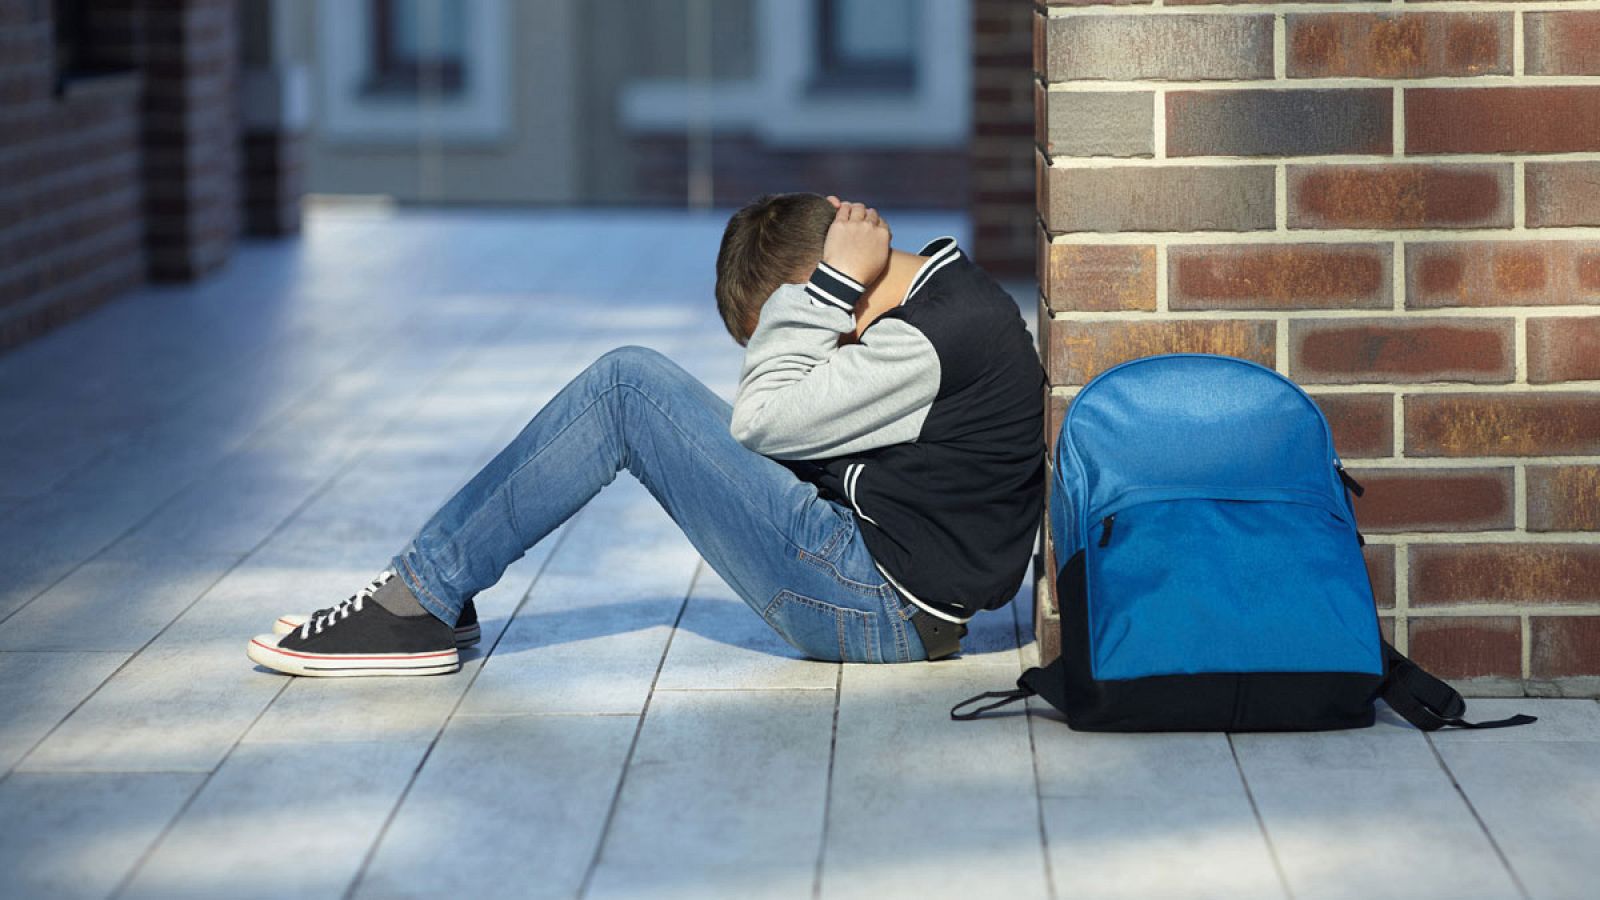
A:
(803, 396)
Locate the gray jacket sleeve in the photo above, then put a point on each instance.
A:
(803, 396)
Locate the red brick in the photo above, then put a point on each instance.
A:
(1502, 273)
(1563, 194)
(1560, 119)
(1504, 573)
(1279, 276)
(1380, 571)
(1386, 628)
(1398, 45)
(1523, 424)
(1562, 43)
(1349, 351)
(1564, 646)
(1434, 500)
(1081, 350)
(1467, 646)
(1084, 277)
(1564, 498)
(1363, 424)
(1400, 196)
(1565, 348)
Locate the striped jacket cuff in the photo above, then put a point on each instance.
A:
(831, 287)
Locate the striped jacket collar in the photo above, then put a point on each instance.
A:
(941, 252)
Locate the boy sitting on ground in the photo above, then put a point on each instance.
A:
(877, 481)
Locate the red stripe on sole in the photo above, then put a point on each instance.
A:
(348, 656)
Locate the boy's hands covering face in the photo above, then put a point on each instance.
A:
(858, 241)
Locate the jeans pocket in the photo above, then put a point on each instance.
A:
(822, 630)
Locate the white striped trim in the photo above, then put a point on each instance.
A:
(828, 298)
(935, 262)
(918, 603)
(841, 276)
(852, 474)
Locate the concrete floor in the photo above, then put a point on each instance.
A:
(184, 465)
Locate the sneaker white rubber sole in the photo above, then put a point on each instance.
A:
(264, 650)
(466, 635)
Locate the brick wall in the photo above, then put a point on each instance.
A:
(123, 168)
(69, 200)
(1000, 199)
(188, 53)
(1398, 206)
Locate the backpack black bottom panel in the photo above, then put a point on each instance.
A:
(1250, 701)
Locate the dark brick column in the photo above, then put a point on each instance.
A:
(188, 53)
(1001, 197)
(69, 189)
(274, 114)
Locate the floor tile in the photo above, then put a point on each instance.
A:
(1147, 815)
(79, 835)
(281, 821)
(723, 643)
(521, 802)
(924, 806)
(38, 690)
(1541, 801)
(1367, 812)
(110, 604)
(176, 709)
(725, 788)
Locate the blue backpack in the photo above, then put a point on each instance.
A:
(1209, 573)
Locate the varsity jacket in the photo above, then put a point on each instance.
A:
(930, 427)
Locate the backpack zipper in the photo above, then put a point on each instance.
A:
(1105, 529)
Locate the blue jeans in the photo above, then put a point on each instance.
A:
(796, 558)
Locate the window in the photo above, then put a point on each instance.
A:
(866, 45)
(417, 46)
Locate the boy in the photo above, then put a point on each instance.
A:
(877, 481)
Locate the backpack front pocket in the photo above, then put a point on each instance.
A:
(1198, 585)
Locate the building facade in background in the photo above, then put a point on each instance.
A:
(1400, 210)
(622, 102)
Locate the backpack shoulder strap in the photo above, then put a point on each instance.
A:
(1424, 700)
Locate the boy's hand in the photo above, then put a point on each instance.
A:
(858, 241)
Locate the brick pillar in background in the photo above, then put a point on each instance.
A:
(1001, 199)
(1401, 211)
(188, 53)
(69, 193)
(274, 112)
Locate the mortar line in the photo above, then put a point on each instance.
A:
(1519, 64)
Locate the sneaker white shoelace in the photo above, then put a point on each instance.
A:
(351, 604)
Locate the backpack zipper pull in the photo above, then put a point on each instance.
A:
(1350, 484)
(1105, 529)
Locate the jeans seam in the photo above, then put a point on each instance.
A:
(425, 596)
